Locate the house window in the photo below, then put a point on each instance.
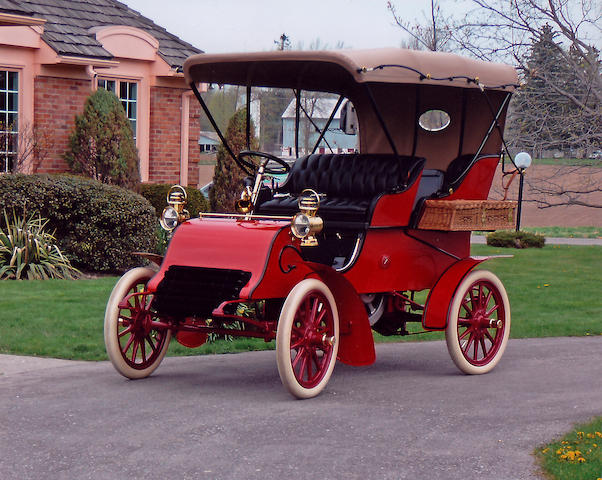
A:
(9, 122)
(208, 148)
(127, 92)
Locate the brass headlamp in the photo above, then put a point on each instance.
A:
(174, 213)
(306, 224)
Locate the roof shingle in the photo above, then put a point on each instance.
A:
(68, 24)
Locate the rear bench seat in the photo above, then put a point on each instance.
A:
(352, 184)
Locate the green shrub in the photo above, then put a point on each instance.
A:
(98, 225)
(28, 251)
(156, 194)
(102, 145)
(513, 239)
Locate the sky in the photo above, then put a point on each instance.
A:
(217, 26)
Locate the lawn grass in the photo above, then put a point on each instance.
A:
(554, 291)
(577, 455)
(561, 232)
(566, 232)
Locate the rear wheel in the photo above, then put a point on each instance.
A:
(307, 339)
(478, 325)
(134, 346)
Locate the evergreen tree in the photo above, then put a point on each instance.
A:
(554, 110)
(538, 109)
(102, 145)
(228, 177)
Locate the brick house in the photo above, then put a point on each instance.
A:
(54, 53)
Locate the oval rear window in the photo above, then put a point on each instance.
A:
(434, 120)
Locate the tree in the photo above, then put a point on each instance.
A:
(33, 145)
(434, 34)
(283, 43)
(101, 145)
(228, 177)
(551, 42)
(538, 111)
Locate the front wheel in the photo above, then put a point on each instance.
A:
(307, 339)
(478, 324)
(134, 346)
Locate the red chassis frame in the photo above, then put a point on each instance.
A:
(393, 258)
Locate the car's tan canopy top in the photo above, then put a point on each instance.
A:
(337, 70)
(389, 88)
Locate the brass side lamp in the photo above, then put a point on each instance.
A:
(174, 213)
(306, 224)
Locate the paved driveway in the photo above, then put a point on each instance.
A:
(409, 416)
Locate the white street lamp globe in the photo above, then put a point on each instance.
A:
(522, 160)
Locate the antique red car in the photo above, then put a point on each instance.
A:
(343, 244)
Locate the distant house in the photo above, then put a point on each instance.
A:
(319, 110)
(54, 53)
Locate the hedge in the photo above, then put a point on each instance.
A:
(156, 194)
(512, 239)
(98, 225)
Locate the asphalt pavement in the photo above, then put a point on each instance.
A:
(411, 415)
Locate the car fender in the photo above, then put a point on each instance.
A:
(440, 297)
(356, 343)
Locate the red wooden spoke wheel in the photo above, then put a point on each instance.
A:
(478, 323)
(134, 346)
(307, 338)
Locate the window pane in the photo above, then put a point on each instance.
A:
(133, 91)
(123, 90)
(12, 122)
(13, 102)
(13, 81)
(13, 142)
(9, 104)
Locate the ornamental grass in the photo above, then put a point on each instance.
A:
(27, 251)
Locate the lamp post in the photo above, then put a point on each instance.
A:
(522, 161)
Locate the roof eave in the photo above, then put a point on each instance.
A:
(9, 19)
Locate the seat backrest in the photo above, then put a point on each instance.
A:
(352, 175)
(457, 170)
(431, 182)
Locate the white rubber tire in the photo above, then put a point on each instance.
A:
(451, 333)
(283, 337)
(136, 276)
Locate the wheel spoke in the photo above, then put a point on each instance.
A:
(493, 309)
(308, 366)
(466, 332)
(299, 352)
(303, 365)
(125, 332)
(135, 349)
(475, 349)
(483, 347)
(488, 335)
(467, 308)
(143, 349)
(320, 317)
(153, 346)
(468, 343)
(128, 344)
(314, 311)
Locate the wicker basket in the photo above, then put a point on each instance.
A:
(467, 215)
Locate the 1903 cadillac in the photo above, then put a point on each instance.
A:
(341, 246)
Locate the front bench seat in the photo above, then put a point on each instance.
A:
(352, 183)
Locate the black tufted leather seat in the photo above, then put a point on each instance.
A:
(352, 184)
